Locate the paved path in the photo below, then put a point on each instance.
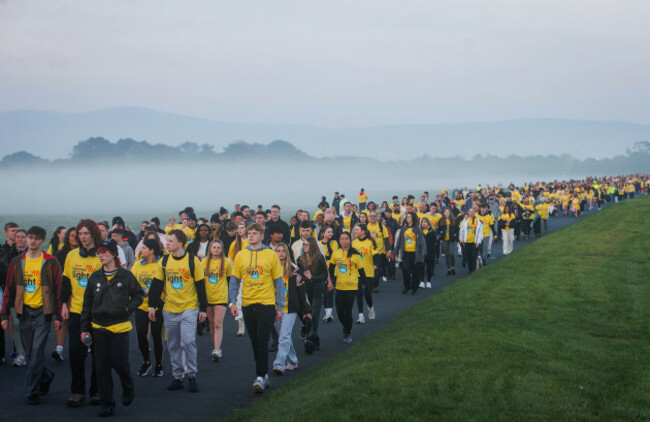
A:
(223, 386)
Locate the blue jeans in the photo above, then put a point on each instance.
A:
(34, 331)
(286, 352)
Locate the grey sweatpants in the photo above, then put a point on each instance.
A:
(181, 341)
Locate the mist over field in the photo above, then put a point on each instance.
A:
(154, 188)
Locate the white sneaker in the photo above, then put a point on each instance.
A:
(384, 279)
(428, 285)
(19, 361)
(361, 319)
(242, 327)
(216, 355)
(261, 384)
(422, 284)
(371, 313)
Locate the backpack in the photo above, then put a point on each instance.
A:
(190, 260)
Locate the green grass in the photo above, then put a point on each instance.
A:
(559, 330)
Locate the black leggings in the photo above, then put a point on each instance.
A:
(365, 289)
(470, 254)
(344, 303)
(430, 263)
(142, 326)
(411, 271)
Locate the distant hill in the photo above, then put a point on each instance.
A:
(52, 135)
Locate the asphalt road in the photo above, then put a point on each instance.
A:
(224, 386)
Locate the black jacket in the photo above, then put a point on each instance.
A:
(296, 296)
(108, 303)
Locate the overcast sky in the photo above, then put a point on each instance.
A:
(330, 63)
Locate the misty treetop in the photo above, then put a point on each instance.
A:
(125, 151)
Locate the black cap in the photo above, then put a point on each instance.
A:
(118, 220)
(109, 244)
(191, 216)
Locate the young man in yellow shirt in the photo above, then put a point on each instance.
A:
(363, 199)
(33, 284)
(185, 299)
(257, 268)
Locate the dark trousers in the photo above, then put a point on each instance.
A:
(525, 227)
(315, 293)
(344, 303)
(364, 289)
(34, 331)
(329, 295)
(379, 261)
(142, 327)
(112, 352)
(389, 268)
(259, 320)
(449, 249)
(430, 264)
(470, 253)
(410, 271)
(78, 354)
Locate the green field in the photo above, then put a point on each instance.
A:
(559, 330)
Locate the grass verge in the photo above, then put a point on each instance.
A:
(558, 330)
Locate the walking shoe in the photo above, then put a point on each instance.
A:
(176, 384)
(361, 319)
(383, 278)
(261, 384)
(347, 339)
(428, 285)
(127, 397)
(75, 400)
(277, 370)
(329, 319)
(371, 313)
(216, 355)
(158, 372)
(193, 387)
(44, 387)
(95, 399)
(309, 346)
(422, 284)
(144, 369)
(242, 327)
(106, 411)
(19, 361)
(34, 399)
(57, 356)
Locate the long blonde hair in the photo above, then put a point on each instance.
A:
(287, 270)
(223, 257)
(238, 239)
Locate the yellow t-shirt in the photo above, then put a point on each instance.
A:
(122, 327)
(231, 251)
(180, 289)
(257, 271)
(346, 270)
(471, 230)
(32, 278)
(285, 280)
(446, 237)
(434, 219)
(217, 287)
(58, 248)
(507, 218)
(528, 210)
(347, 222)
(487, 220)
(145, 272)
(379, 236)
(365, 248)
(190, 233)
(174, 227)
(363, 198)
(333, 244)
(409, 241)
(78, 270)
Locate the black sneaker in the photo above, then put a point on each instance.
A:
(309, 347)
(57, 356)
(158, 372)
(176, 384)
(44, 387)
(144, 369)
(106, 411)
(34, 399)
(127, 398)
(193, 386)
(95, 399)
